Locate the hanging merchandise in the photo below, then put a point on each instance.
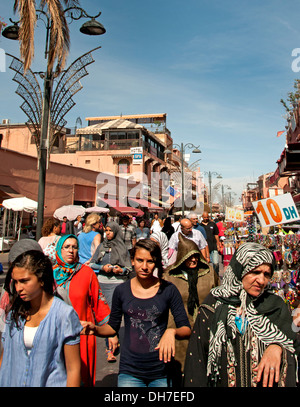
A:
(285, 281)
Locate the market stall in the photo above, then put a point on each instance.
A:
(14, 209)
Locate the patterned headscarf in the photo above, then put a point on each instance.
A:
(63, 271)
(163, 241)
(266, 315)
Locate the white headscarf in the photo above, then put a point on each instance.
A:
(163, 241)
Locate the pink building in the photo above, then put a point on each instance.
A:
(129, 148)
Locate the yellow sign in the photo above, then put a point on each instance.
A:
(234, 215)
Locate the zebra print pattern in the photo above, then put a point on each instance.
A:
(247, 257)
(230, 285)
(266, 331)
(218, 340)
(252, 255)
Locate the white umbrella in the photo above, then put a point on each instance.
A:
(97, 209)
(70, 211)
(20, 204)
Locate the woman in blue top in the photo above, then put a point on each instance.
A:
(111, 262)
(145, 302)
(42, 333)
(142, 232)
(90, 238)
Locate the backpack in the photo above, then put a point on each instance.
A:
(50, 250)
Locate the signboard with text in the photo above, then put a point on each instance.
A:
(137, 155)
(234, 215)
(276, 210)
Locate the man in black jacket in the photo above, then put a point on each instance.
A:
(212, 238)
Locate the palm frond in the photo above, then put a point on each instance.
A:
(59, 41)
(26, 9)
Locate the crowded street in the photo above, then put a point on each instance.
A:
(106, 373)
(150, 197)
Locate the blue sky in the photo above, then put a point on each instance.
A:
(218, 69)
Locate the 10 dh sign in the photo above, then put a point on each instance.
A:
(276, 210)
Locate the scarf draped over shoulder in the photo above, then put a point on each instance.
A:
(119, 252)
(63, 271)
(267, 315)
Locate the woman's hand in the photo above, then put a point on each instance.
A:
(166, 345)
(117, 270)
(88, 328)
(269, 366)
(107, 268)
(113, 343)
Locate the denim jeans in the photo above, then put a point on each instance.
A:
(126, 380)
(214, 258)
(108, 290)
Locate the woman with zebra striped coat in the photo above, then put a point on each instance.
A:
(243, 335)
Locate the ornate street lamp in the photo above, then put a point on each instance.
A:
(182, 148)
(210, 174)
(223, 196)
(12, 31)
(46, 110)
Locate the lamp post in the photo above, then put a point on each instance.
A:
(223, 196)
(182, 148)
(91, 27)
(210, 175)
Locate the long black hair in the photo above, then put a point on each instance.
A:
(37, 263)
(154, 249)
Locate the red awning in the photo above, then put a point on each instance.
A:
(146, 204)
(115, 204)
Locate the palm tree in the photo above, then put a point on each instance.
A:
(59, 40)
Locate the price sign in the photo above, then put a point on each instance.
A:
(234, 215)
(276, 210)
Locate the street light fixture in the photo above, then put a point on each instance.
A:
(12, 31)
(182, 148)
(91, 27)
(223, 196)
(210, 174)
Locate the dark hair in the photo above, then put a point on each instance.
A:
(49, 225)
(154, 249)
(167, 224)
(37, 263)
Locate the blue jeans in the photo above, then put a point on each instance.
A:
(214, 258)
(126, 380)
(108, 290)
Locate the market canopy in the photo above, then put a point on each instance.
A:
(115, 204)
(20, 204)
(145, 204)
(98, 209)
(70, 211)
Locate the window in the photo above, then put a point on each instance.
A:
(90, 142)
(123, 166)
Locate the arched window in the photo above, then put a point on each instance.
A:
(123, 166)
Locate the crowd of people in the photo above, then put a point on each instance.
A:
(158, 282)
